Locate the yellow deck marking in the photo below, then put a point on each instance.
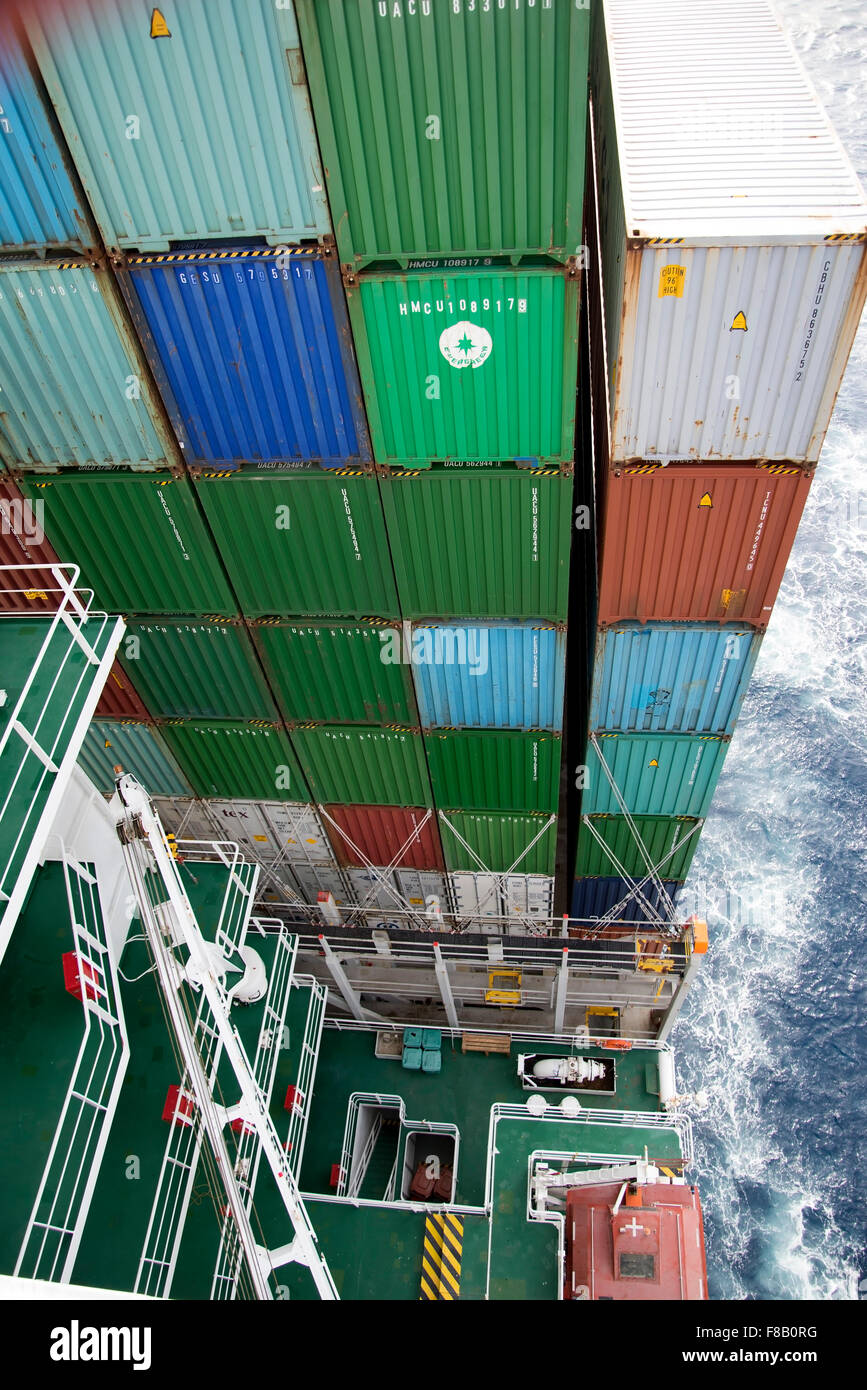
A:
(441, 1258)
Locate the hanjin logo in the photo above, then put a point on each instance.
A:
(465, 344)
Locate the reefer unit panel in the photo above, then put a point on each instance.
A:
(197, 670)
(526, 843)
(477, 897)
(230, 759)
(76, 391)
(186, 819)
(119, 700)
(136, 748)
(299, 833)
(447, 368)
(450, 128)
(23, 543)
(489, 677)
(376, 834)
(480, 544)
(527, 896)
(337, 672)
(313, 879)
(595, 897)
(254, 356)
(374, 890)
(39, 207)
(381, 767)
(735, 261)
(697, 544)
(246, 822)
(669, 843)
(419, 886)
(312, 545)
(204, 132)
(140, 542)
(493, 771)
(672, 680)
(656, 774)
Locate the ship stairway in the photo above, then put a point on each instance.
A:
(181, 955)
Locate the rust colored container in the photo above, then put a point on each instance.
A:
(703, 544)
(379, 832)
(23, 542)
(118, 699)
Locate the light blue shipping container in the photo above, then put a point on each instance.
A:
(489, 676)
(39, 207)
(593, 897)
(669, 678)
(138, 749)
(201, 129)
(253, 355)
(656, 774)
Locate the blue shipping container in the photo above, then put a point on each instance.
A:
(593, 897)
(489, 676)
(656, 774)
(39, 208)
(254, 356)
(671, 679)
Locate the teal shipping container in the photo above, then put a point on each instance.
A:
(656, 774)
(188, 122)
(76, 390)
(136, 748)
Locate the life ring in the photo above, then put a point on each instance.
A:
(617, 1045)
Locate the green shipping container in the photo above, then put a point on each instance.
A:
(493, 771)
(140, 542)
(656, 774)
(469, 366)
(138, 749)
(452, 126)
(295, 545)
(234, 760)
(667, 840)
(500, 841)
(335, 672)
(197, 670)
(480, 544)
(370, 767)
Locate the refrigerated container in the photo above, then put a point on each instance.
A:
(485, 676)
(187, 819)
(197, 669)
(200, 129)
(655, 774)
(732, 232)
(253, 355)
(349, 763)
(136, 748)
(493, 771)
(376, 834)
(344, 673)
(528, 896)
(672, 679)
(232, 759)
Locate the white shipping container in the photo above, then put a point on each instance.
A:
(186, 819)
(245, 822)
(313, 879)
(477, 897)
(299, 832)
(369, 890)
(420, 886)
(732, 236)
(528, 895)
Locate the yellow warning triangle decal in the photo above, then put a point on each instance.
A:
(739, 321)
(653, 763)
(705, 500)
(160, 30)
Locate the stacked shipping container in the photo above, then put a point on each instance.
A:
(726, 294)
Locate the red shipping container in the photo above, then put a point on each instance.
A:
(379, 832)
(22, 544)
(697, 544)
(118, 699)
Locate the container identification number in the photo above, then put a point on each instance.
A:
(447, 306)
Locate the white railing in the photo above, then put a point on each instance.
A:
(297, 1135)
(63, 1200)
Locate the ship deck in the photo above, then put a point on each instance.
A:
(374, 1251)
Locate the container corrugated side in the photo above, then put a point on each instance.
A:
(253, 355)
(23, 543)
(197, 669)
(674, 680)
(119, 699)
(341, 673)
(525, 843)
(741, 263)
(444, 365)
(76, 389)
(594, 897)
(230, 759)
(656, 774)
(376, 834)
(39, 207)
(140, 542)
(489, 677)
(449, 128)
(349, 764)
(506, 536)
(138, 749)
(493, 771)
(308, 545)
(146, 119)
(669, 843)
(697, 545)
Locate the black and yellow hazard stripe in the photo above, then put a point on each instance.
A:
(241, 253)
(348, 472)
(441, 1258)
(643, 468)
(665, 241)
(845, 236)
(779, 469)
(544, 472)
